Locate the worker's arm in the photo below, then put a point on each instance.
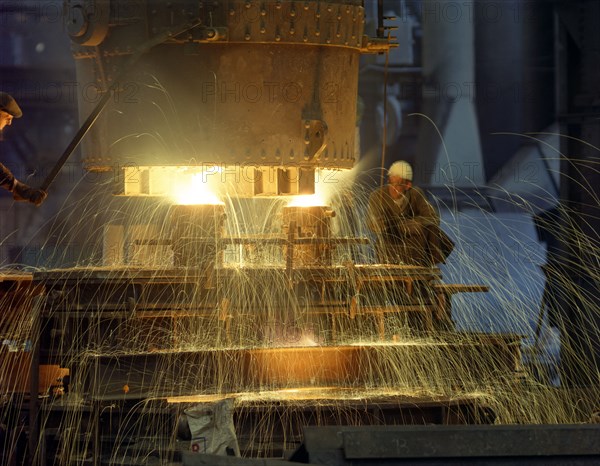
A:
(7, 179)
(424, 213)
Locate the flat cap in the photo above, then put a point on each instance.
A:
(9, 105)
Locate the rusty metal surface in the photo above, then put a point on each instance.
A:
(109, 275)
(183, 335)
(137, 318)
(176, 373)
(307, 223)
(275, 86)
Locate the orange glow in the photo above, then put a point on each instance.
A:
(299, 365)
(194, 189)
(307, 201)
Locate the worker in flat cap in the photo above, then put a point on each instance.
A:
(9, 109)
(404, 221)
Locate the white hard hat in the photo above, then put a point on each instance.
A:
(402, 170)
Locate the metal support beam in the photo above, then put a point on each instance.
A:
(432, 445)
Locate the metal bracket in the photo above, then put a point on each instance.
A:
(315, 133)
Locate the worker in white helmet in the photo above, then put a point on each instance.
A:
(9, 109)
(405, 223)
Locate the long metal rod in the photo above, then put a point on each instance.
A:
(385, 118)
(83, 130)
(380, 27)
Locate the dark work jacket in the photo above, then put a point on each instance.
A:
(409, 234)
(7, 179)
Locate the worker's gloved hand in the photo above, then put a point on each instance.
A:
(22, 192)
